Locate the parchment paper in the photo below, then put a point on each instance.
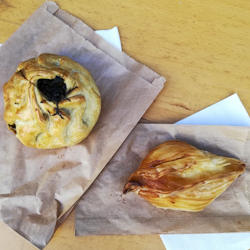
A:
(103, 209)
(39, 187)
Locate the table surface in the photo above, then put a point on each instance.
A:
(200, 47)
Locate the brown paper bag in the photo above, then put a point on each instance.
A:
(103, 209)
(38, 187)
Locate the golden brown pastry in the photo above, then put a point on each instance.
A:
(51, 102)
(176, 175)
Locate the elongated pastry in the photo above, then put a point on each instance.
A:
(51, 102)
(176, 175)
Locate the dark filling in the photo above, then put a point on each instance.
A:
(12, 127)
(54, 90)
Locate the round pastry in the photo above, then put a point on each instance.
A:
(51, 102)
(176, 175)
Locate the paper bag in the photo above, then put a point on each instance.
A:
(38, 187)
(104, 209)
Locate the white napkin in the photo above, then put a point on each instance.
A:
(225, 241)
(112, 36)
(229, 111)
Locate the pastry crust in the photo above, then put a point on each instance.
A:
(176, 175)
(35, 120)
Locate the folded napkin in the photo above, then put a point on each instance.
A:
(111, 36)
(39, 187)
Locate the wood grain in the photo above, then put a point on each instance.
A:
(201, 47)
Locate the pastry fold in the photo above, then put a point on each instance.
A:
(176, 175)
(51, 102)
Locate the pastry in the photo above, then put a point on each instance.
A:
(176, 175)
(51, 102)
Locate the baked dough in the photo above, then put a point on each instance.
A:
(51, 102)
(176, 175)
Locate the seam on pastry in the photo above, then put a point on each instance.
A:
(166, 161)
(33, 116)
(21, 71)
(38, 104)
(126, 55)
(42, 111)
(38, 136)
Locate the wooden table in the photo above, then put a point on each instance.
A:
(201, 47)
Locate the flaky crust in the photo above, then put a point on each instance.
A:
(30, 115)
(176, 175)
